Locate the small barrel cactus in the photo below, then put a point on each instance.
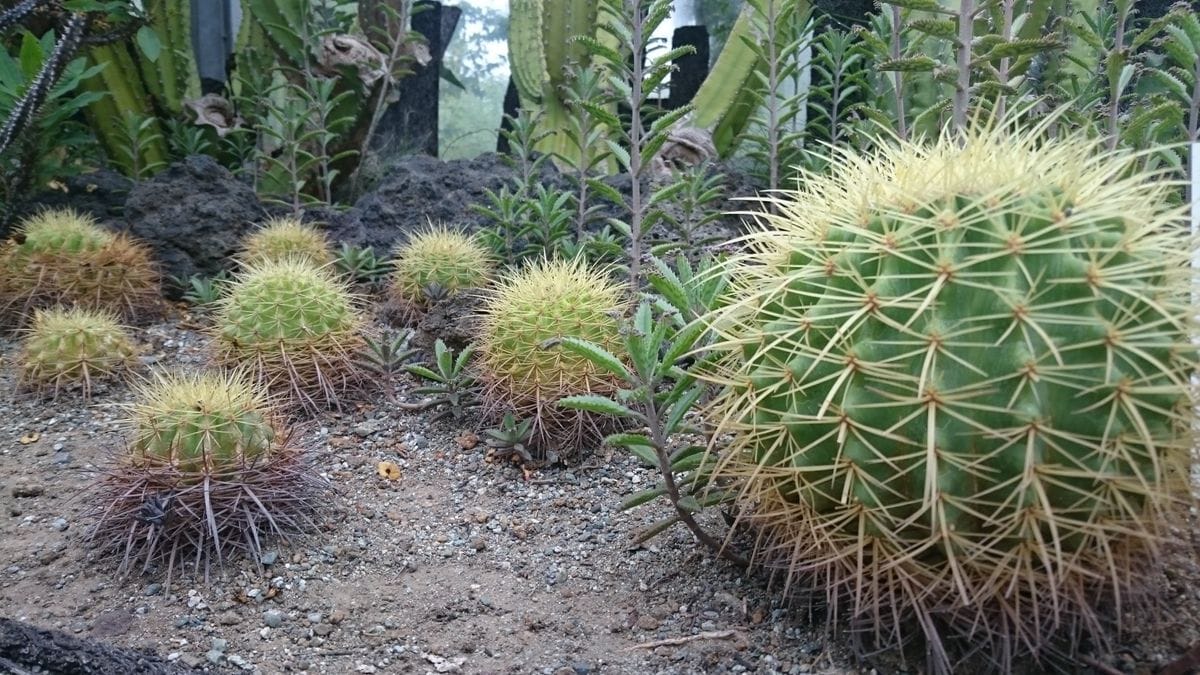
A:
(282, 238)
(209, 473)
(959, 388)
(437, 261)
(60, 257)
(73, 347)
(296, 325)
(521, 374)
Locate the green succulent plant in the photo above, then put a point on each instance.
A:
(959, 388)
(522, 373)
(441, 258)
(360, 263)
(61, 257)
(209, 473)
(297, 326)
(73, 347)
(282, 238)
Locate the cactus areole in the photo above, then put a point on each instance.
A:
(958, 385)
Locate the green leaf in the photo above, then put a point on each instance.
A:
(32, 56)
(598, 404)
(689, 504)
(598, 356)
(654, 530)
(681, 408)
(642, 497)
(422, 371)
(915, 64)
(148, 42)
(449, 76)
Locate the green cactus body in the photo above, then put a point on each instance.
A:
(451, 260)
(293, 322)
(208, 473)
(73, 347)
(521, 372)
(959, 383)
(202, 424)
(282, 238)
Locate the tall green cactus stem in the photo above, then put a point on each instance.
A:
(959, 388)
(541, 47)
(149, 88)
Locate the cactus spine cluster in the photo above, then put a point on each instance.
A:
(522, 374)
(296, 325)
(73, 347)
(287, 237)
(208, 473)
(60, 257)
(438, 259)
(958, 387)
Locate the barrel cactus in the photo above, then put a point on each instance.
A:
(958, 388)
(524, 375)
(281, 238)
(73, 348)
(297, 326)
(437, 260)
(60, 257)
(209, 473)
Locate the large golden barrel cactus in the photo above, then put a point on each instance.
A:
(959, 387)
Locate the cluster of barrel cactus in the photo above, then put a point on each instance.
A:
(209, 473)
(60, 257)
(958, 388)
(521, 369)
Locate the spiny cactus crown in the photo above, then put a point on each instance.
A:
(546, 300)
(450, 259)
(62, 231)
(201, 422)
(74, 343)
(287, 237)
(285, 302)
(958, 376)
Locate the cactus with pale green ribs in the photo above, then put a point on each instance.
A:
(296, 326)
(210, 473)
(73, 347)
(523, 373)
(542, 52)
(959, 388)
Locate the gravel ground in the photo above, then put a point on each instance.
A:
(460, 565)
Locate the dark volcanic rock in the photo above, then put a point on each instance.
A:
(418, 189)
(453, 320)
(101, 193)
(193, 215)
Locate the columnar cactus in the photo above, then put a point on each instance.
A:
(522, 374)
(959, 387)
(296, 325)
(73, 347)
(60, 257)
(439, 259)
(209, 473)
(281, 238)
